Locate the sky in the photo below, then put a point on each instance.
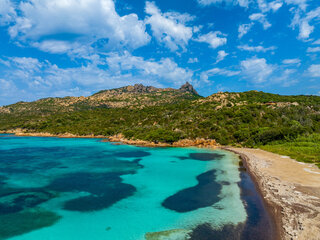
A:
(57, 48)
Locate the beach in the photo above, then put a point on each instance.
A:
(291, 191)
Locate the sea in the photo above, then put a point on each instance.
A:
(86, 189)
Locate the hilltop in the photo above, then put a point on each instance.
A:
(284, 124)
(137, 96)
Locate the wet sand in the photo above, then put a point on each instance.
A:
(291, 191)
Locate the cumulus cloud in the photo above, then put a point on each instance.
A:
(244, 29)
(314, 70)
(265, 6)
(302, 4)
(242, 3)
(193, 60)
(55, 46)
(257, 70)
(83, 21)
(261, 18)
(169, 28)
(293, 61)
(221, 55)
(304, 22)
(204, 76)
(7, 12)
(256, 48)
(214, 39)
(165, 69)
(317, 42)
(313, 49)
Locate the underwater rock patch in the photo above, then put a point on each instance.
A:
(206, 156)
(18, 201)
(204, 194)
(105, 189)
(23, 222)
(206, 232)
(175, 234)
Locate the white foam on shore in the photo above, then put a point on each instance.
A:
(310, 171)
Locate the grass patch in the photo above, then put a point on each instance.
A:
(304, 149)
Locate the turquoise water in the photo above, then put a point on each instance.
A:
(54, 188)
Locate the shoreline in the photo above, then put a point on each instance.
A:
(290, 203)
(119, 138)
(272, 209)
(290, 192)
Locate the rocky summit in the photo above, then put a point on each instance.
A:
(187, 87)
(135, 96)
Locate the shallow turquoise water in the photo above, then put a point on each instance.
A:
(98, 190)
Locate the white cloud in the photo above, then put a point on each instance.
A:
(165, 69)
(256, 48)
(214, 39)
(6, 87)
(304, 23)
(169, 28)
(275, 5)
(242, 3)
(83, 21)
(26, 63)
(305, 30)
(244, 29)
(293, 61)
(42, 78)
(317, 42)
(221, 55)
(314, 70)
(265, 6)
(193, 60)
(55, 46)
(313, 50)
(285, 78)
(204, 76)
(302, 4)
(7, 12)
(261, 18)
(257, 70)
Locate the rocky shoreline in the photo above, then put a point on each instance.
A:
(291, 191)
(119, 138)
(200, 142)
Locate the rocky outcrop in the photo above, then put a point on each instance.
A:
(199, 142)
(140, 88)
(187, 87)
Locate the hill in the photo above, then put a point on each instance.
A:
(254, 119)
(137, 96)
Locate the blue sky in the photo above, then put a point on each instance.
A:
(77, 47)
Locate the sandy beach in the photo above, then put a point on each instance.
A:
(290, 189)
